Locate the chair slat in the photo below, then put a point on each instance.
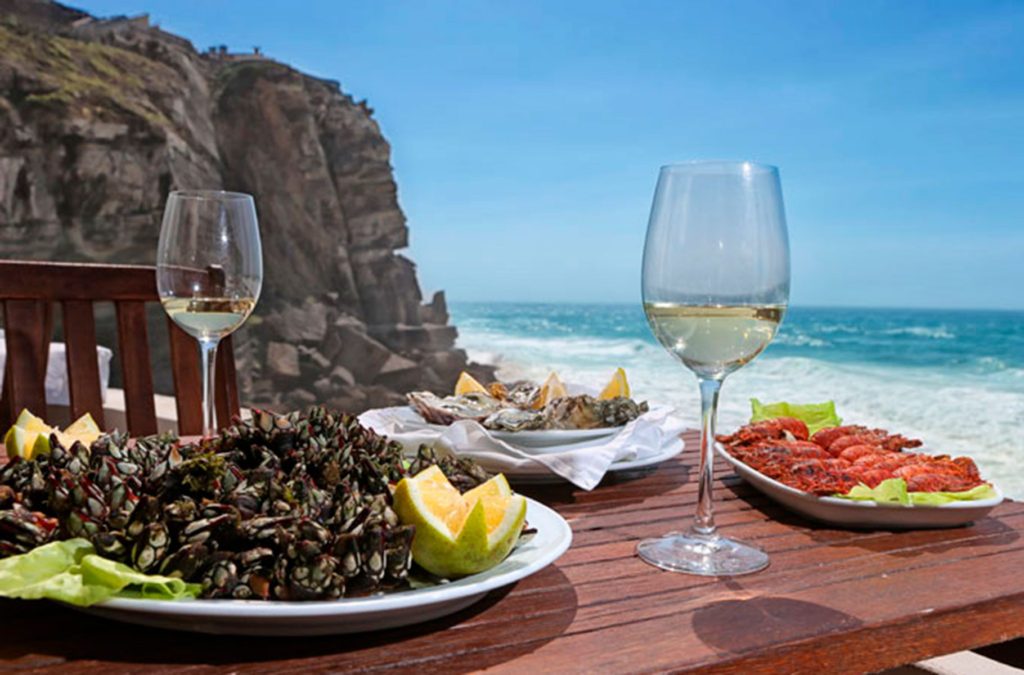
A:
(77, 281)
(226, 383)
(27, 341)
(188, 386)
(83, 368)
(133, 343)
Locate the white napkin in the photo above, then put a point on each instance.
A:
(583, 463)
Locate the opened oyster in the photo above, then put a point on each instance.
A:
(437, 410)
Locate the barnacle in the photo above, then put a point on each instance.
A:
(288, 507)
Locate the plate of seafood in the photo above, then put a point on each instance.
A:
(534, 415)
(280, 525)
(351, 615)
(822, 476)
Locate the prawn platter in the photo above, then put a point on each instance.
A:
(839, 475)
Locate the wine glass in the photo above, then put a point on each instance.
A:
(209, 270)
(715, 287)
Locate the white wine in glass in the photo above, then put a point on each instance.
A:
(209, 272)
(715, 288)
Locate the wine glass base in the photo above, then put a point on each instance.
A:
(706, 555)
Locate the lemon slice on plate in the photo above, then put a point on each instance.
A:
(549, 391)
(459, 534)
(617, 386)
(30, 435)
(467, 384)
(21, 439)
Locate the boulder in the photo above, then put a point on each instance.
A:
(282, 360)
(362, 355)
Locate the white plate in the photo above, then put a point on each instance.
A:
(542, 476)
(552, 438)
(850, 513)
(350, 615)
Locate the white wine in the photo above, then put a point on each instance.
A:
(714, 340)
(208, 317)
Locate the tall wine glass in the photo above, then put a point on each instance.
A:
(209, 271)
(715, 287)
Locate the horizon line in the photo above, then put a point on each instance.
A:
(933, 308)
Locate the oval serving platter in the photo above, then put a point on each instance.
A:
(863, 514)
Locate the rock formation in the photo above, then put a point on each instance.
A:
(100, 118)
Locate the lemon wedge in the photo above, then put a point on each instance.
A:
(549, 391)
(459, 534)
(617, 386)
(467, 383)
(83, 429)
(21, 439)
(30, 435)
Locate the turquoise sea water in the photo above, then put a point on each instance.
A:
(955, 379)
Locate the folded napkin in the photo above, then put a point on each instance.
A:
(583, 463)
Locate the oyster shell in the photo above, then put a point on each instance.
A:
(522, 394)
(514, 419)
(436, 410)
(587, 412)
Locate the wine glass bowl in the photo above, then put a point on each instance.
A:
(209, 271)
(715, 288)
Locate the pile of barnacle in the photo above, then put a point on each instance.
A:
(285, 507)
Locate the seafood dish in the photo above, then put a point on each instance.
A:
(568, 412)
(528, 406)
(279, 507)
(836, 459)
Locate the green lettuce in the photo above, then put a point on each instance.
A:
(70, 571)
(894, 491)
(816, 416)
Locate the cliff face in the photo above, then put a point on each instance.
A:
(99, 119)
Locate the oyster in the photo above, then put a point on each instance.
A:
(587, 412)
(471, 406)
(523, 394)
(514, 419)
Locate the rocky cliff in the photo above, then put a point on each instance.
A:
(100, 118)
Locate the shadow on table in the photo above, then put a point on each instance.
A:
(46, 633)
(741, 626)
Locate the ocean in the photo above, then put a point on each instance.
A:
(953, 378)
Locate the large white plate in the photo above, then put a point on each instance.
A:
(350, 615)
(552, 438)
(849, 513)
(542, 476)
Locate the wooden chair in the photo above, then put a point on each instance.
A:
(28, 291)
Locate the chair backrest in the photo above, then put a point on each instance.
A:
(28, 291)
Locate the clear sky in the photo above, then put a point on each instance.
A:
(527, 136)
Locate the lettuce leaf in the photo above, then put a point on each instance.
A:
(894, 491)
(70, 571)
(816, 416)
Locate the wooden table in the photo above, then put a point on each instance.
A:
(831, 601)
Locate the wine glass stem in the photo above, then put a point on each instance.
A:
(208, 354)
(704, 520)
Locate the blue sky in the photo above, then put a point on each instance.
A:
(527, 136)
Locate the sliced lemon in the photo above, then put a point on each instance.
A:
(467, 383)
(617, 386)
(21, 440)
(83, 429)
(549, 391)
(459, 534)
(26, 420)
